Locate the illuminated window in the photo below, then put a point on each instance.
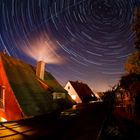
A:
(58, 95)
(73, 97)
(2, 94)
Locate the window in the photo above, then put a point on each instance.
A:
(68, 87)
(58, 95)
(73, 96)
(2, 94)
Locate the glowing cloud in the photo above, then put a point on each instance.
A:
(43, 49)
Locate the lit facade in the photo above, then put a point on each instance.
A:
(72, 92)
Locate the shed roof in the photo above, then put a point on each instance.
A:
(53, 83)
(83, 90)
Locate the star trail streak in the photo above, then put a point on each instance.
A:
(85, 40)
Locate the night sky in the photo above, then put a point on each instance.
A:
(84, 40)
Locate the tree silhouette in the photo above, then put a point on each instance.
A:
(132, 64)
(136, 27)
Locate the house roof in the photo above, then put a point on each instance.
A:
(32, 98)
(53, 83)
(83, 91)
(55, 87)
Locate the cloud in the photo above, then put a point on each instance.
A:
(44, 49)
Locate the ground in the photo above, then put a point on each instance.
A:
(83, 121)
(121, 125)
(91, 121)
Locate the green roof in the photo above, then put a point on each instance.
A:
(32, 98)
(52, 83)
(56, 87)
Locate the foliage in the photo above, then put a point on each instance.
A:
(127, 80)
(136, 28)
(109, 98)
(133, 63)
(106, 96)
(131, 82)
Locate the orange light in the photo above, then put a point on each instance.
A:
(73, 97)
(3, 119)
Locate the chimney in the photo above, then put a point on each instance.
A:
(40, 69)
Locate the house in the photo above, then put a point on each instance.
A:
(27, 91)
(80, 92)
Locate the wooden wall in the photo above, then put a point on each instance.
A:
(12, 110)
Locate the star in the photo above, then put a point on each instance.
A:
(85, 40)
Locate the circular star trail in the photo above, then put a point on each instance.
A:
(85, 40)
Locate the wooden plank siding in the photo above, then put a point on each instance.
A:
(11, 110)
